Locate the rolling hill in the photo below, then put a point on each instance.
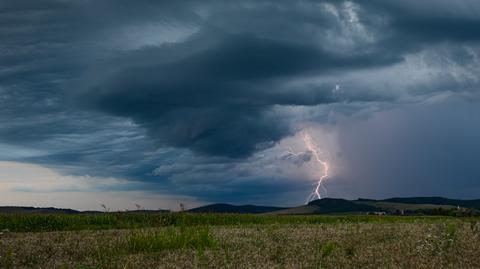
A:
(391, 206)
(412, 205)
(328, 206)
(36, 210)
(53, 210)
(241, 209)
(436, 201)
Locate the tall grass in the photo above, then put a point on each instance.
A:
(171, 238)
(60, 222)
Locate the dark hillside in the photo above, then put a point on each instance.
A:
(436, 201)
(333, 205)
(37, 210)
(227, 208)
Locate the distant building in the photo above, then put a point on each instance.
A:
(377, 213)
(399, 212)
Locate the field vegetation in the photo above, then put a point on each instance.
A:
(179, 240)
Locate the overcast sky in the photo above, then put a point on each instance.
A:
(161, 102)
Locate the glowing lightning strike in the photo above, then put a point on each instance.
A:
(311, 146)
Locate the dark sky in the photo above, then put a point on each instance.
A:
(207, 101)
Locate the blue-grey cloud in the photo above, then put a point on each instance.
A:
(128, 89)
(216, 100)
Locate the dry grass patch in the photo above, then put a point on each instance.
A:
(446, 243)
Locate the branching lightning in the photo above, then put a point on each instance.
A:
(311, 146)
(324, 167)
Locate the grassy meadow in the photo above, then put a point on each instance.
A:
(180, 240)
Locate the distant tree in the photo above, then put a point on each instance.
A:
(105, 208)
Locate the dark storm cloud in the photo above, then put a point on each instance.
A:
(267, 177)
(297, 159)
(217, 100)
(213, 93)
(412, 25)
(98, 86)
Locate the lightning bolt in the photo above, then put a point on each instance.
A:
(311, 146)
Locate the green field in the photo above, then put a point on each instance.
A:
(178, 240)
